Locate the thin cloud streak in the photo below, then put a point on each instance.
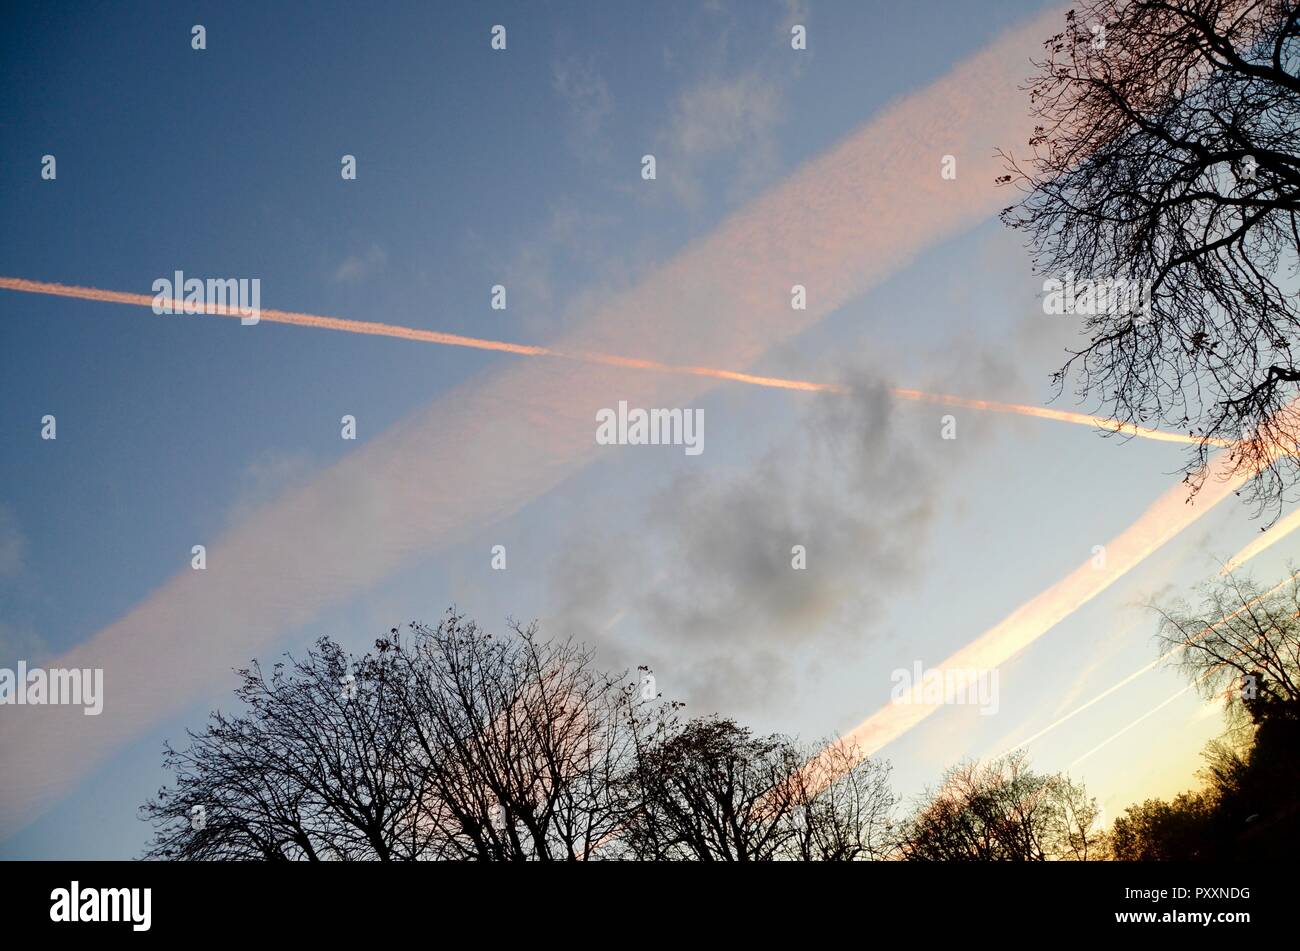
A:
(273, 316)
(605, 359)
(1160, 706)
(1129, 726)
(1265, 541)
(1145, 668)
(1060, 416)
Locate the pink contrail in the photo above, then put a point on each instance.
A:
(274, 316)
(375, 328)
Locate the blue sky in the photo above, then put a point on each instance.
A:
(522, 168)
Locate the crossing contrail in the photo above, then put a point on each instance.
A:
(1151, 666)
(1169, 515)
(375, 328)
(1164, 703)
(1129, 726)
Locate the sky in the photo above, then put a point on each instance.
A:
(522, 168)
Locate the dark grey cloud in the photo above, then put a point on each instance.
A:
(704, 575)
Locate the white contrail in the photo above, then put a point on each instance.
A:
(1265, 541)
(1169, 515)
(1147, 667)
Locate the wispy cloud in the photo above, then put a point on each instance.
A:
(267, 476)
(731, 118)
(360, 266)
(586, 95)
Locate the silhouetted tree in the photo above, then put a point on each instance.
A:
(1242, 647)
(841, 806)
(451, 743)
(1166, 151)
(712, 791)
(522, 742)
(1163, 831)
(1003, 811)
(313, 769)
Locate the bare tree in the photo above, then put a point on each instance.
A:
(841, 811)
(452, 743)
(522, 741)
(712, 791)
(312, 770)
(1003, 811)
(1166, 154)
(1242, 644)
